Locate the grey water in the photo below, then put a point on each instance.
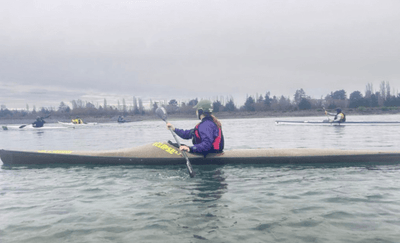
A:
(252, 203)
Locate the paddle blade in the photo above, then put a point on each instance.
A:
(162, 113)
(190, 169)
(22, 126)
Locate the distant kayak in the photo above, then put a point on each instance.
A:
(70, 124)
(348, 123)
(123, 121)
(29, 127)
(163, 153)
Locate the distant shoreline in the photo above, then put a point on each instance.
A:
(220, 115)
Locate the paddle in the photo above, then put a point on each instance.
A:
(162, 113)
(22, 126)
(323, 107)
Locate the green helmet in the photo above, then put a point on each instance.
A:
(204, 105)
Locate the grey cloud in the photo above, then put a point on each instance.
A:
(182, 49)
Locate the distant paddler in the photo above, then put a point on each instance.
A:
(339, 116)
(207, 136)
(39, 122)
(122, 120)
(77, 120)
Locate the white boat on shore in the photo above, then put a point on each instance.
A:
(29, 127)
(347, 123)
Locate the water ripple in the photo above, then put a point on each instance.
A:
(232, 203)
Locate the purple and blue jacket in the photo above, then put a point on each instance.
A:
(206, 137)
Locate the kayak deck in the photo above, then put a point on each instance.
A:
(165, 154)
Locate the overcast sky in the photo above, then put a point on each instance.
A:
(53, 50)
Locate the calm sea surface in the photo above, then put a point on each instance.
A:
(310, 203)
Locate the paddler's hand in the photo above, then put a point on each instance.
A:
(326, 113)
(184, 148)
(169, 125)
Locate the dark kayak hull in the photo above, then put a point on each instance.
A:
(165, 154)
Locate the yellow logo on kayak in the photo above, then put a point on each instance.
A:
(166, 148)
(55, 151)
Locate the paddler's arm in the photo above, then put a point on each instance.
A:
(331, 114)
(185, 134)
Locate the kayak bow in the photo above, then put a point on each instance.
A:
(160, 153)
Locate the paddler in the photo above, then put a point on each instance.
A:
(339, 116)
(207, 136)
(39, 122)
(121, 119)
(77, 120)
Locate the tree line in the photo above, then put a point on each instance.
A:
(383, 98)
(337, 99)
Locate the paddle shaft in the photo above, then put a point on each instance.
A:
(188, 164)
(326, 114)
(162, 113)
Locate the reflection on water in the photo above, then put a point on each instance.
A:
(241, 203)
(212, 185)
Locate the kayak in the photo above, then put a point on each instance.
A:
(29, 127)
(164, 153)
(327, 123)
(70, 124)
